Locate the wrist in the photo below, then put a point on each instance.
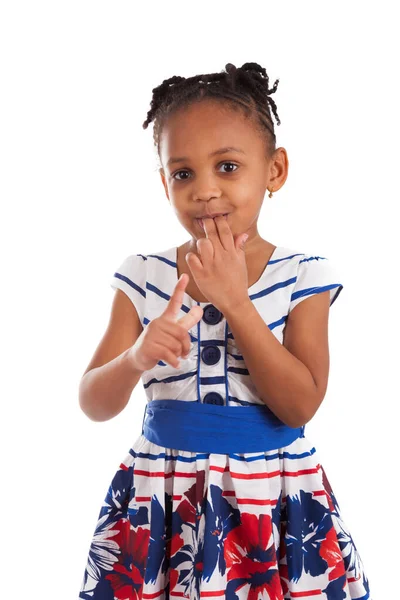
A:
(130, 357)
(238, 307)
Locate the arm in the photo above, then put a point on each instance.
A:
(105, 391)
(108, 382)
(291, 378)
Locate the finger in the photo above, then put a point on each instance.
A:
(209, 226)
(175, 336)
(171, 340)
(191, 318)
(177, 297)
(169, 357)
(179, 329)
(211, 230)
(184, 337)
(224, 232)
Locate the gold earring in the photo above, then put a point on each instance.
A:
(270, 193)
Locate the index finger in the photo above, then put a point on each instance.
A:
(176, 300)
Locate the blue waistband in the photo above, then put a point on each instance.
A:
(200, 427)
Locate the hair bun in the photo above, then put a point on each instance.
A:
(230, 68)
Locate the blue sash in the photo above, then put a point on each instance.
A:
(200, 427)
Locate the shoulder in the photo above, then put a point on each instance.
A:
(314, 274)
(132, 269)
(130, 277)
(139, 273)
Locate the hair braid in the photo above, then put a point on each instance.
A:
(246, 88)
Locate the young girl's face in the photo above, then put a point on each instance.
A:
(197, 181)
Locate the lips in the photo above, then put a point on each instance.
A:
(200, 220)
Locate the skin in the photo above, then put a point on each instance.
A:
(231, 182)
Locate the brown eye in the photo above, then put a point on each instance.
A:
(231, 164)
(222, 164)
(174, 176)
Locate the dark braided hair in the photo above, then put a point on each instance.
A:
(244, 88)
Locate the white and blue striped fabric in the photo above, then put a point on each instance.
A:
(288, 279)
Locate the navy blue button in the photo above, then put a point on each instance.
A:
(211, 314)
(213, 398)
(211, 355)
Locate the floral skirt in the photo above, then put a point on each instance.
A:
(180, 524)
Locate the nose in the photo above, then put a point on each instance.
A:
(207, 194)
(206, 188)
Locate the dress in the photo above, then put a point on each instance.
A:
(241, 525)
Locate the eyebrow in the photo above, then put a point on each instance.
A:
(219, 151)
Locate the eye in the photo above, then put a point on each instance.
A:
(222, 164)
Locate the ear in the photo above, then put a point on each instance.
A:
(164, 182)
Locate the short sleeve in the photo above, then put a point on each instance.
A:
(315, 274)
(130, 277)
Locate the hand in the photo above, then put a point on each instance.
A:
(165, 338)
(221, 272)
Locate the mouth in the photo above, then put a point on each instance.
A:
(200, 221)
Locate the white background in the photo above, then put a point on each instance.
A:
(80, 192)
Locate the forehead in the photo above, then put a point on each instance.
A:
(196, 130)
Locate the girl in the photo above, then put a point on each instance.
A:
(222, 495)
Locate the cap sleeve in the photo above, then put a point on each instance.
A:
(315, 274)
(130, 277)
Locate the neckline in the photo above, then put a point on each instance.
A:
(186, 295)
